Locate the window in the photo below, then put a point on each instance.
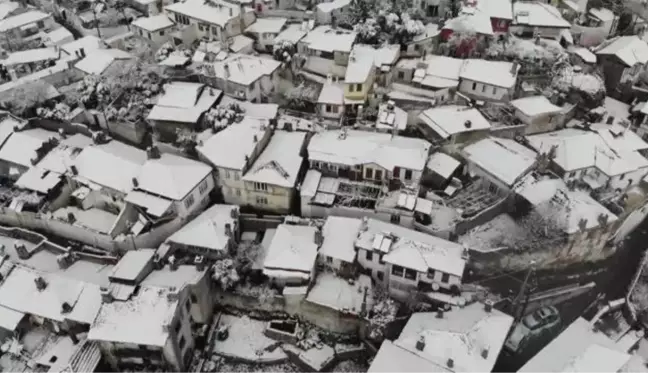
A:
(397, 172)
(351, 87)
(397, 271)
(369, 256)
(182, 342)
(622, 177)
(227, 174)
(149, 35)
(380, 275)
(417, 47)
(237, 176)
(494, 90)
(215, 30)
(141, 33)
(329, 260)
(410, 274)
(408, 175)
(381, 259)
(202, 188)
(261, 201)
(261, 186)
(401, 75)
(430, 274)
(474, 86)
(162, 33)
(378, 175)
(329, 108)
(358, 87)
(483, 88)
(445, 278)
(238, 192)
(395, 219)
(193, 298)
(189, 201)
(369, 173)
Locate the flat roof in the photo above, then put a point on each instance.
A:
(452, 119)
(535, 105)
(132, 264)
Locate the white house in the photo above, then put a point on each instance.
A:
(155, 29)
(23, 27)
(270, 182)
(232, 151)
(535, 17)
(622, 59)
(215, 19)
(327, 50)
(245, 77)
(214, 233)
(488, 80)
(538, 113)
(338, 251)
(453, 124)
(181, 107)
(369, 156)
(606, 158)
(291, 256)
(181, 183)
(404, 260)
(264, 32)
(465, 339)
(331, 100)
(501, 162)
(330, 12)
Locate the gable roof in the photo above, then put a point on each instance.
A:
(207, 230)
(630, 50)
(171, 176)
(292, 249)
(503, 158)
(280, 161)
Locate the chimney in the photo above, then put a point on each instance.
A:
(228, 229)
(439, 314)
(468, 124)
(390, 105)
(173, 263)
(234, 213)
(21, 250)
(74, 170)
(420, 344)
(74, 338)
(255, 139)
(66, 308)
(318, 239)
(484, 353)
(106, 295)
(231, 12)
(152, 152)
(488, 305)
(63, 260)
(40, 282)
(82, 52)
(450, 363)
(61, 133)
(199, 261)
(135, 182)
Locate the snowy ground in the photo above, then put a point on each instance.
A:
(247, 341)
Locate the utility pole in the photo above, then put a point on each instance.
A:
(525, 292)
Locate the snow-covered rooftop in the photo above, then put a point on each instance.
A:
(442, 164)
(292, 34)
(292, 252)
(568, 347)
(280, 161)
(338, 294)
(331, 93)
(384, 55)
(207, 230)
(393, 118)
(538, 14)
(253, 110)
(18, 292)
(501, 9)
(59, 35)
(327, 39)
(628, 49)
(339, 235)
(20, 148)
(97, 61)
(132, 265)
(597, 358)
(497, 73)
(243, 69)
(585, 54)
(184, 102)
(603, 14)
(393, 358)
(9, 319)
(112, 165)
(22, 19)
(332, 5)
(578, 149)
(477, 22)
(143, 319)
(452, 119)
(213, 12)
(88, 43)
(6, 7)
(153, 23)
(535, 105)
(360, 147)
(267, 25)
(359, 69)
(39, 180)
(230, 147)
(462, 335)
(171, 176)
(412, 249)
(30, 56)
(505, 159)
(441, 72)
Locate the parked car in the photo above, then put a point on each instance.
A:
(531, 326)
